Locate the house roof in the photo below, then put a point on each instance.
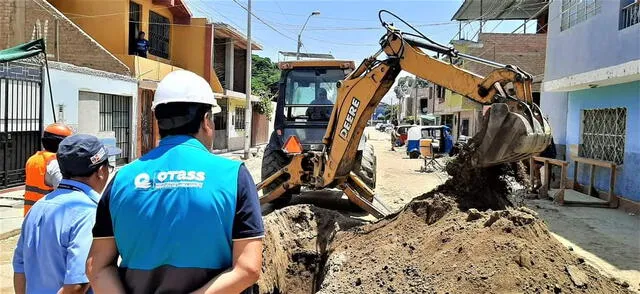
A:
(472, 10)
(223, 30)
(181, 12)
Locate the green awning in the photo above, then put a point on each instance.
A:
(22, 51)
(428, 117)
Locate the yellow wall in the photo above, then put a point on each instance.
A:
(189, 51)
(105, 21)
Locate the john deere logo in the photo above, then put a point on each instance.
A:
(351, 115)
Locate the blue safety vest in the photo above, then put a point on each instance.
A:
(175, 207)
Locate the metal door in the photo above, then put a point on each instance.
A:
(21, 122)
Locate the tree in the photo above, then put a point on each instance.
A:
(264, 76)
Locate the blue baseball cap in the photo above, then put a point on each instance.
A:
(80, 154)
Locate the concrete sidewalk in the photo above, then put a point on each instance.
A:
(11, 202)
(608, 239)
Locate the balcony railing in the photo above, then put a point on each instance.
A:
(630, 15)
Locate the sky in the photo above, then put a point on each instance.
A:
(347, 29)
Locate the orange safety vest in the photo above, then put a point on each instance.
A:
(34, 184)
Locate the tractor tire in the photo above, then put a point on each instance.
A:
(273, 161)
(365, 166)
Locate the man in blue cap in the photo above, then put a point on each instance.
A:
(56, 233)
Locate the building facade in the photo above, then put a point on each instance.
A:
(80, 69)
(591, 93)
(177, 40)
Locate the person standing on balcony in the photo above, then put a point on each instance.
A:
(42, 173)
(142, 45)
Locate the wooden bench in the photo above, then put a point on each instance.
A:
(544, 190)
(612, 200)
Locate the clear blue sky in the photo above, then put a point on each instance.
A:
(348, 29)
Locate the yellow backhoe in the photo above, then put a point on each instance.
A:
(513, 129)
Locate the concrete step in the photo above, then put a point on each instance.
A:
(573, 197)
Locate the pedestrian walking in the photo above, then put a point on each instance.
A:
(56, 233)
(184, 220)
(42, 173)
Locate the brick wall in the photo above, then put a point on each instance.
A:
(67, 40)
(527, 51)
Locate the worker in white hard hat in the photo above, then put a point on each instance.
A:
(184, 220)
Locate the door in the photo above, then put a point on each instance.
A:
(115, 112)
(134, 25)
(20, 119)
(220, 121)
(146, 122)
(259, 128)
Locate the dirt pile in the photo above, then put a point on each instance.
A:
(463, 237)
(434, 247)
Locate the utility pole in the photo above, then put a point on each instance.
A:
(247, 110)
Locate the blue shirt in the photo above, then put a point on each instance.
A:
(174, 214)
(56, 237)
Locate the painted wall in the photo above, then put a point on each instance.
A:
(623, 95)
(112, 12)
(84, 116)
(592, 44)
(190, 42)
(554, 106)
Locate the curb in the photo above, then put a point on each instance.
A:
(10, 234)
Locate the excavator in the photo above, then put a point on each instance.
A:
(512, 129)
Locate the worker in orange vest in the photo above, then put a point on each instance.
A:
(42, 170)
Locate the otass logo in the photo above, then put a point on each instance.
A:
(170, 179)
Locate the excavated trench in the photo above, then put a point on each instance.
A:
(463, 237)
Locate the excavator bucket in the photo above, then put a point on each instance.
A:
(509, 136)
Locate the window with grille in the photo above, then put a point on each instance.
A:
(115, 117)
(577, 11)
(603, 134)
(159, 32)
(239, 119)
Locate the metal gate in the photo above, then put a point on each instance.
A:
(114, 116)
(21, 117)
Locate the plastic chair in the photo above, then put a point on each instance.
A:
(427, 154)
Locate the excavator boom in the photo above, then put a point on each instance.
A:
(513, 129)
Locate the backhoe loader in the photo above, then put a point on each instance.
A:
(513, 128)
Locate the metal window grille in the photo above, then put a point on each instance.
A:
(577, 11)
(603, 134)
(159, 32)
(239, 119)
(115, 117)
(630, 15)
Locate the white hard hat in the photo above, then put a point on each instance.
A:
(184, 86)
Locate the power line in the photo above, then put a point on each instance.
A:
(264, 22)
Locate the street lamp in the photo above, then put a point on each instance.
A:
(300, 34)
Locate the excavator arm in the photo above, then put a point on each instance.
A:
(512, 129)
